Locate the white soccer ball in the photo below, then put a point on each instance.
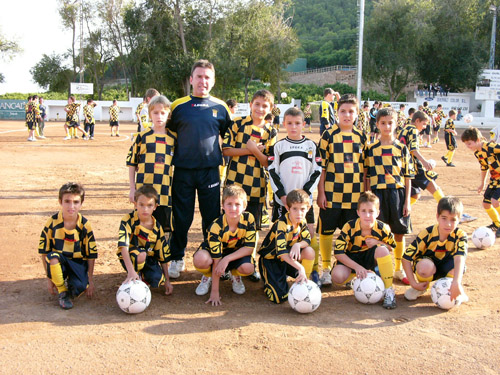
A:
(468, 118)
(369, 290)
(283, 95)
(483, 237)
(432, 162)
(304, 297)
(440, 293)
(133, 297)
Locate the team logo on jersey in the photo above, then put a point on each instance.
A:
(309, 154)
(214, 112)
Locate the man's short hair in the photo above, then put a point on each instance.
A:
(386, 111)
(148, 191)
(471, 134)
(368, 197)
(264, 94)
(72, 188)
(158, 100)
(451, 204)
(202, 64)
(293, 111)
(234, 191)
(297, 196)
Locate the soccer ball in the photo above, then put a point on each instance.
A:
(432, 162)
(304, 297)
(483, 237)
(133, 297)
(440, 293)
(468, 118)
(369, 290)
(283, 95)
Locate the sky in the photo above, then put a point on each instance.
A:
(37, 28)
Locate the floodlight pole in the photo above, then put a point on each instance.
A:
(360, 47)
(81, 41)
(493, 9)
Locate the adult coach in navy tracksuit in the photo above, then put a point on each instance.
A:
(198, 120)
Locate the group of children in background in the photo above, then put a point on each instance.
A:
(365, 189)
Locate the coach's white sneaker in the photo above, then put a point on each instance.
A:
(204, 286)
(326, 277)
(412, 294)
(176, 267)
(238, 286)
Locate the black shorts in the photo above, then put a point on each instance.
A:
(373, 127)
(491, 193)
(163, 214)
(451, 142)
(151, 272)
(113, 123)
(365, 258)
(421, 181)
(436, 128)
(308, 121)
(31, 125)
(233, 265)
(274, 273)
(276, 119)
(391, 210)
(75, 271)
(73, 124)
(256, 210)
(332, 218)
(279, 210)
(426, 130)
(443, 267)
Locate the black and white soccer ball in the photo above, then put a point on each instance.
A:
(483, 237)
(304, 297)
(440, 293)
(133, 297)
(369, 290)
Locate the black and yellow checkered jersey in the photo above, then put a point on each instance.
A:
(152, 154)
(409, 137)
(275, 111)
(246, 170)
(401, 121)
(408, 121)
(114, 112)
(387, 166)
(427, 245)
(198, 123)
(342, 159)
(134, 236)
(488, 158)
(427, 111)
(350, 239)
(139, 109)
(88, 114)
(450, 125)
(363, 121)
(32, 112)
(78, 243)
(327, 113)
(307, 113)
(222, 242)
(282, 236)
(438, 116)
(73, 113)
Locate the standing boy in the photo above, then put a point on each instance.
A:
(114, 112)
(438, 115)
(144, 117)
(143, 250)
(341, 182)
(72, 123)
(327, 110)
(373, 120)
(88, 117)
(68, 250)
(438, 251)
(285, 251)
(427, 131)
(449, 138)
(295, 163)
(388, 173)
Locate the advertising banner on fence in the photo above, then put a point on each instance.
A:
(12, 109)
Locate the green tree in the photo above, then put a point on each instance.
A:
(51, 73)
(8, 49)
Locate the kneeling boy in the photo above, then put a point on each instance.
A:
(231, 240)
(364, 244)
(142, 248)
(68, 249)
(438, 251)
(286, 250)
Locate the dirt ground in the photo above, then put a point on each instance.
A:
(247, 334)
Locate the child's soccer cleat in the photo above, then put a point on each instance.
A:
(64, 301)
(226, 276)
(255, 277)
(467, 218)
(444, 159)
(315, 278)
(412, 294)
(401, 276)
(68, 137)
(204, 286)
(326, 277)
(389, 299)
(238, 286)
(450, 165)
(175, 268)
(462, 298)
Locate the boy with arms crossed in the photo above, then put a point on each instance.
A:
(364, 244)
(295, 164)
(438, 251)
(231, 241)
(341, 181)
(285, 251)
(388, 173)
(68, 250)
(143, 250)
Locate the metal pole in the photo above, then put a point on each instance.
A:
(360, 46)
(81, 41)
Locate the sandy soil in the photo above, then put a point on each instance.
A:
(247, 334)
